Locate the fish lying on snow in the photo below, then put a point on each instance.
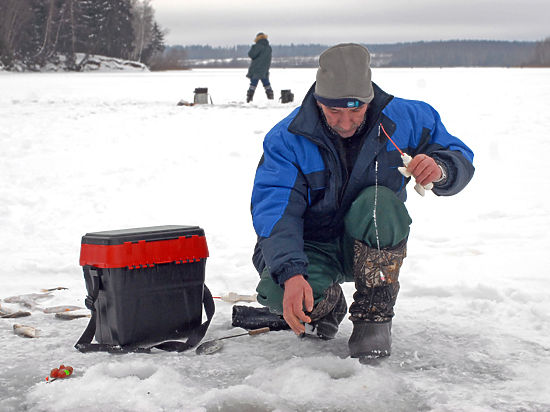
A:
(63, 308)
(52, 289)
(25, 331)
(28, 300)
(5, 313)
(72, 315)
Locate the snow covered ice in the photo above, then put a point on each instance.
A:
(85, 152)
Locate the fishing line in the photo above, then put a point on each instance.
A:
(382, 278)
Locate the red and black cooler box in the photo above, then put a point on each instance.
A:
(145, 285)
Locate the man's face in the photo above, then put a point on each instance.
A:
(344, 121)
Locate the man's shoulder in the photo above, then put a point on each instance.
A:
(281, 128)
(399, 103)
(416, 111)
(280, 133)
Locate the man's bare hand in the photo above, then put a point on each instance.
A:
(424, 169)
(298, 294)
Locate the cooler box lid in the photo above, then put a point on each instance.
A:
(145, 246)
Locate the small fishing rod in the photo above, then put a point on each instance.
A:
(421, 190)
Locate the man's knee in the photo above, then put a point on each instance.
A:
(392, 219)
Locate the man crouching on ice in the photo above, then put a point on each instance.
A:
(328, 200)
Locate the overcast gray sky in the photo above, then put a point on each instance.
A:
(228, 23)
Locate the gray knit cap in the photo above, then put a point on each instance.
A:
(344, 76)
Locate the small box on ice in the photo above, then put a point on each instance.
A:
(144, 285)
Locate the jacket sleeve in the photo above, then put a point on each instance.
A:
(449, 151)
(279, 199)
(254, 51)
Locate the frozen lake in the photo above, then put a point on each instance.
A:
(84, 152)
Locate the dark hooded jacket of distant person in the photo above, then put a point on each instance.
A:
(260, 53)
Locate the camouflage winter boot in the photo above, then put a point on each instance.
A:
(269, 93)
(250, 95)
(328, 313)
(376, 274)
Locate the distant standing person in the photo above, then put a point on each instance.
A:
(260, 53)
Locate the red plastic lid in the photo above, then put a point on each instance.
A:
(138, 253)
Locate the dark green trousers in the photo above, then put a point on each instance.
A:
(332, 262)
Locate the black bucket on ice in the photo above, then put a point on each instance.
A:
(287, 96)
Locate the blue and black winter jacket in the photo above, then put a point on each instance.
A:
(302, 190)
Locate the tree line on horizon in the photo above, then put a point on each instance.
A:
(34, 33)
(452, 53)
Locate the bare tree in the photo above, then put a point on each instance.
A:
(142, 21)
(15, 15)
(47, 29)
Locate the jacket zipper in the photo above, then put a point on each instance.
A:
(337, 170)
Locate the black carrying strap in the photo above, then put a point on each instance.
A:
(196, 334)
(84, 343)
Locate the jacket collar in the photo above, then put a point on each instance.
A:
(308, 121)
